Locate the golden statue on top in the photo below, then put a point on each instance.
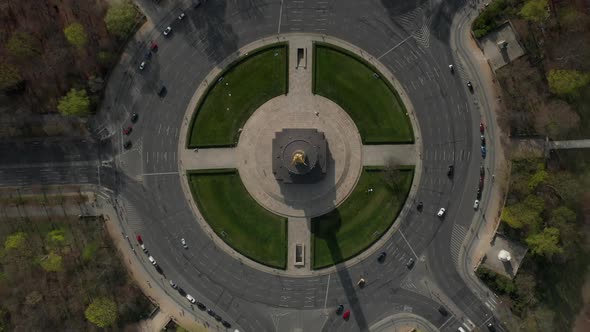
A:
(298, 158)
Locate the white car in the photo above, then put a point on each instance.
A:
(167, 31)
(142, 65)
(190, 298)
(152, 260)
(441, 212)
(181, 16)
(476, 204)
(183, 243)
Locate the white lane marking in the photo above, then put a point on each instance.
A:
(327, 290)
(396, 46)
(162, 173)
(280, 17)
(408, 243)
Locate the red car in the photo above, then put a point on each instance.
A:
(154, 46)
(346, 315)
(481, 128)
(127, 130)
(139, 239)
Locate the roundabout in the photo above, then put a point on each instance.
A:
(153, 189)
(300, 156)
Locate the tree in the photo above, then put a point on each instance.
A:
(556, 119)
(52, 262)
(15, 240)
(545, 243)
(102, 312)
(567, 82)
(76, 102)
(106, 58)
(538, 178)
(57, 238)
(524, 214)
(534, 10)
(9, 76)
(121, 18)
(76, 35)
(22, 45)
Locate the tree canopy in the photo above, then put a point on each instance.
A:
(76, 102)
(524, 214)
(15, 240)
(22, 45)
(567, 82)
(52, 262)
(121, 18)
(534, 10)
(76, 35)
(102, 312)
(9, 76)
(545, 243)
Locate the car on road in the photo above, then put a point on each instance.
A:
(451, 68)
(441, 212)
(450, 170)
(340, 309)
(381, 257)
(346, 315)
(139, 239)
(483, 151)
(154, 47)
(481, 127)
(134, 117)
(152, 260)
(172, 284)
(162, 91)
(218, 318)
(143, 248)
(142, 65)
(482, 138)
(491, 327)
(128, 130)
(443, 311)
(167, 31)
(482, 171)
(127, 145)
(211, 312)
(476, 204)
(201, 306)
(470, 86)
(420, 206)
(226, 324)
(181, 291)
(190, 298)
(410, 263)
(181, 16)
(481, 182)
(183, 243)
(148, 55)
(478, 193)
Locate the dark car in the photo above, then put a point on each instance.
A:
(410, 263)
(127, 145)
(201, 306)
(443, 311)
(478, 193)
(127, 130)
(381, 257)
(420, 206)
(491, 327)
(134, 117)
(340, 309)
(482, 171)
(483, 151)
(218, 318)
(162, 91)
(225, 324)
(181, 291)
(481, 182)
(481, 127)
(482, 138)
(450, 170)
(148, 55)
(211, 312)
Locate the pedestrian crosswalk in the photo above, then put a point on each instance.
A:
(131, 216)
(457, 237)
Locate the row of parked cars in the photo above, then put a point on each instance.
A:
(181, 291)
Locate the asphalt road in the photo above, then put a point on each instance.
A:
(410, 38)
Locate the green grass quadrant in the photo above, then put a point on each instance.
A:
(252, 81)
(360, 221)
(238, 219)
(372, 103)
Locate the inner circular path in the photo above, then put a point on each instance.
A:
(343, 166)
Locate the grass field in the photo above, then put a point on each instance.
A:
(361, 220)
(240, 90)
(371, 102)
(238, 219)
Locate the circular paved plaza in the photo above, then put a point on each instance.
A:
(343, 166)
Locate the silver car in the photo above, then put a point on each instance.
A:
(167, 31)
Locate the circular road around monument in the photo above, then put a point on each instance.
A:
(410, 38)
